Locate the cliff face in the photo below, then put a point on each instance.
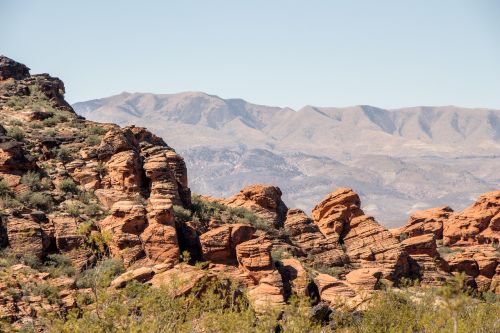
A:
(85, 191)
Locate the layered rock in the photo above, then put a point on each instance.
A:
(429, 221)
(219, 244)
(126, 222)
(335, 211)
(264, 200)
(306, 235)
(477, 224)
(366, 243)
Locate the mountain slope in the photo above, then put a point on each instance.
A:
(398, 160)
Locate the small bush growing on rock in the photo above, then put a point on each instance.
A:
(73, 209)
(279, 254)
(8, 201)
(97, 130)
(68, 186)
(59, 265)
(47, 291)
(50, 122)
(17, 102)
(101, 169)
(36, 200)
(4, 188)
(93, 140)
(17, 133)
(32, 180)
(101, 274)
(64, 155)
(181, 213)
(93, 210)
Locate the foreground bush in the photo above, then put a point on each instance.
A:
(223, 308)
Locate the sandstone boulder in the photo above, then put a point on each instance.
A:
(25, 236)
(264, 200)
(477, 224)
(429, 221)
(306, 235)
(335, 211)
(219, 244)
(268, 293)
(254, 257)
(423, 244)
(126, 222)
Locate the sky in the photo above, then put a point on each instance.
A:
(282, 52)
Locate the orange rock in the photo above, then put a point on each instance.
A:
(335, 211)
(294, 275)
(477, 224)
(126, 222)
(268, 293)
(423, 244)
(263, 200)
(25, 236)
(306, 235)
(124, 171)
(219, 244)
(71, 242)
(254, 257)
(429, 221)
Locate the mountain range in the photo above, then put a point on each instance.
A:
(398, 160)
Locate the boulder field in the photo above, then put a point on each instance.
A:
(88, 191)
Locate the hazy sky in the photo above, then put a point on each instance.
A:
(285, 53)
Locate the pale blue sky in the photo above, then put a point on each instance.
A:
(285, 53)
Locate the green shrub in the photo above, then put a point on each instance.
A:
(9, 202)
(67, 185)
(36, 200)
(101, 169)
(96, 130)
(73, 209)
(17, 133)
(47, 291)
(4, 188)
(181, 213)
(101, 275)
(59, 265)
(93, 140)
(32, 180)
(93, 210)
(64, 155)
(50, 122)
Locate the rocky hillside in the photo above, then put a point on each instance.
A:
(394, 158)
(90, 208)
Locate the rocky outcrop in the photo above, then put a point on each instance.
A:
(268, 293)
(306, 235)
(71, 242)
(126, 222)
(428, 221)
(264, 200)
(335, 211)
(477, 224)
(25, 236)
(219, 245)
(254, 257)
(10, 69)
(365, 242)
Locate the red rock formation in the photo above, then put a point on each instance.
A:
(335, 211)
(306, 235)
(477, 224)
(263, 200)
(428, 221)
(219, 245)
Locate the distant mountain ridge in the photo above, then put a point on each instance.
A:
(399, 159)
